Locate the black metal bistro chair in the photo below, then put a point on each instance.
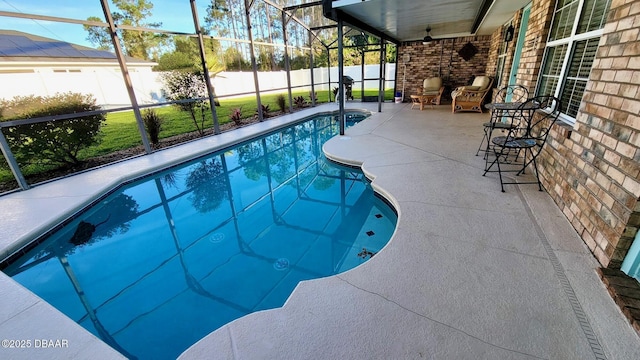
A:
(538, 116)
(502, 119)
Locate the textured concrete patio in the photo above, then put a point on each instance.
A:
(471, 273)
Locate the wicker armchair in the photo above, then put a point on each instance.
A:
(470, 98)
(432, 87)
(430, 93)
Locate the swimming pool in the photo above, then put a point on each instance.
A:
(163, 261)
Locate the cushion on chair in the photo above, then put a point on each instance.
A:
(471, 88)
(482, 82)
(431, 84)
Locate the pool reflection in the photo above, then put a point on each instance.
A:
(163, 261)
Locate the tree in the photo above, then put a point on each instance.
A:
(139, 44)
(216, 17)
(174, 60)
(186, 56)
(235, 61)
(98, 36)
(52, 142)
(296, 62)
(207, 182)
(265, 58)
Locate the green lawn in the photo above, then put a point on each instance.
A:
(121, 130)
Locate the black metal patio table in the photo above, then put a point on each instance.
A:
(526, 132)
(503, 117)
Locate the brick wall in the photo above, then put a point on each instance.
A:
(592, 171)
(492, 59)
(441, 58)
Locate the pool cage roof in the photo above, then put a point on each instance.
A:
(315, 17)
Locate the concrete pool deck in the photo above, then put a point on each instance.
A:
(470, 272)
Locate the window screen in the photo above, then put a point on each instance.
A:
(570, 51)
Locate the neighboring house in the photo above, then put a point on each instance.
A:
(35, 65)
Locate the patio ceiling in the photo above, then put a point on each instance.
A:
(407, 20)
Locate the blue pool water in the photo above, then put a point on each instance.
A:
(163, 261)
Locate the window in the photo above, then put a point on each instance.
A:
(570, 51)
(16, 71)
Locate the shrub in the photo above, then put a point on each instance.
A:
(265, 111)
(191, 89)
(236, 116)
(299, 101)
(282, 102)
(55, 142)
(153, 124)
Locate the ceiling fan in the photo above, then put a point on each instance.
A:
(427, 39)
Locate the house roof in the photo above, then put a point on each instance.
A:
(16, 46)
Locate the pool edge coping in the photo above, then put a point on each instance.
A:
(214, 143)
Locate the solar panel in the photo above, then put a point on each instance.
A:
(19, 45)
(20, 41)
(97, 54)
(9, 48)
(52, 53)
(69, 52)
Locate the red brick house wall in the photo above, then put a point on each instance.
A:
(592, 169)
(441, 58)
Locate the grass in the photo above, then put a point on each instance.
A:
(121, 130)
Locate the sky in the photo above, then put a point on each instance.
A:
(175, 15)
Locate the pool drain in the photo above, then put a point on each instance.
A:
(216, 238)
(281, 264)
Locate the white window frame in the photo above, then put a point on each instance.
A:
(570, 41)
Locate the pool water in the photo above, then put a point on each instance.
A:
(163, 261)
